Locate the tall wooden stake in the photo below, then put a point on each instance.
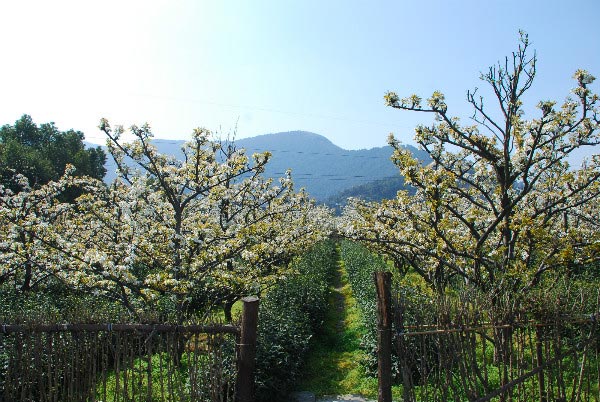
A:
(247, 351)
(383, 284)
(540, 360)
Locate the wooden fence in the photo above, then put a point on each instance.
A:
(129, 362)
(557, 360)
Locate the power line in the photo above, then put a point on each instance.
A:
(267, 109)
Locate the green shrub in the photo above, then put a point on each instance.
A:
(360, 264)
(289, 315)
(55, 303)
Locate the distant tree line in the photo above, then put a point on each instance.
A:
(41, 153)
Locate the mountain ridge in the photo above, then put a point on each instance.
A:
(317, 164)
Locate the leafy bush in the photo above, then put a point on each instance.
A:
(55, 303)
(360, 264)
(289, 315)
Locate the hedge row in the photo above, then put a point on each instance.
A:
(289, 315)
(360, 264)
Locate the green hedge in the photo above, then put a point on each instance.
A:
(289, 315)
(360, 264)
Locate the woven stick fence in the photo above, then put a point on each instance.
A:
(467, 359)
(126, 362)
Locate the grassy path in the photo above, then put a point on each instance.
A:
(333, 366)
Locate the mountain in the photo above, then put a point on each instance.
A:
(317, 164)
(325, 169)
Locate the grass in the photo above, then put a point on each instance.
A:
(333, 366)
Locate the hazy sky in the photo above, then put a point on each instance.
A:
(270, 66)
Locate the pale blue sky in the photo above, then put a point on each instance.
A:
(269, 66)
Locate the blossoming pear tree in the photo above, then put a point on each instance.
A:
(198, 232)
(26, 214)
(208, 227)
(500, 206)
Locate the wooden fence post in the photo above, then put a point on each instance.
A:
(540, 361)
(247, 351)
(383, 284)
